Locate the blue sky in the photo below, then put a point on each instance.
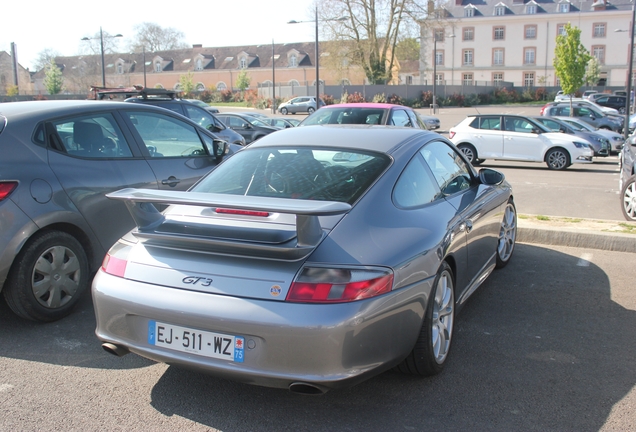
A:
(60, 25)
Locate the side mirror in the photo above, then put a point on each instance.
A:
(218, 148)
(213, 128)
(246, 126)
(490, 177)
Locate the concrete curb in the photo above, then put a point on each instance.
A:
(530, 232)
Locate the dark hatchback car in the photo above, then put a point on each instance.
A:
(60, 159)
(196, 113)
(612, 101)
(366, 113)
(248, 126)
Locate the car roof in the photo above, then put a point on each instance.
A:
(366, 105)
(54, 108)
(356, 137)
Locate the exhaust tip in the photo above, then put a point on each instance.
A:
(113, 349)
(306, 389)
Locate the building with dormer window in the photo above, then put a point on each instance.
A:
(493, 42)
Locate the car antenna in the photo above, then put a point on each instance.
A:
(477, 110)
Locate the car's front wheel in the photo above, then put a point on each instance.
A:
(507, 235)
(557, 159)
(48, 277)
(628, 199)
(434, 341)
(283, 111)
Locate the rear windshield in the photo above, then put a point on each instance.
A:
(297, 173)
(346, 115)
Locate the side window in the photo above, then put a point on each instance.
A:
(416, 186)
(199, 116)
(171, 106)
(491, 123)
(165, 136)
(400, 118)
(94, 136)
(415, 120)
(449, 169)
(514, 124)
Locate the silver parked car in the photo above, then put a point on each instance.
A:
(59, 159)
(313, 259)
(627, 179)
(301, 104)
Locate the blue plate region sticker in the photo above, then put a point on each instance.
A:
(152, 337)
(239, 349)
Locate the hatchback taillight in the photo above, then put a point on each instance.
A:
(6, 188)
(451, 134)
(336, 285)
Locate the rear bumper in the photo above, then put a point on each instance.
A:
(328, 346)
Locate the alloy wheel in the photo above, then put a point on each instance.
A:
(443, 317)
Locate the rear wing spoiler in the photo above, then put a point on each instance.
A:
(308, 230)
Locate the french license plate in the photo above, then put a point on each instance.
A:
(204, 343)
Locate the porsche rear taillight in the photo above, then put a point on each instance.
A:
(337, 285)
(116, 259)
(6, 188)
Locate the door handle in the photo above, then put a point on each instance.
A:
(469, 225)
(171, 181)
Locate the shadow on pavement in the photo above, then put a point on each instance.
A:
(540, 346)
(70, 341)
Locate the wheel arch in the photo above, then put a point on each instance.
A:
(556, 147)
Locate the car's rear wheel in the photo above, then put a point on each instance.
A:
(557, 159)
(310, 110)
(283, 111)
(470, 152)
(507, 235)
(628, 199)
(48, 277)
(433, 344)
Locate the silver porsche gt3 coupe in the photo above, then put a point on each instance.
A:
(311, 260)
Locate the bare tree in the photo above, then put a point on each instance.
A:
(370, 33)
(153, 37)
(44, 58)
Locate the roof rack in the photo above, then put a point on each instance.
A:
(140, 91)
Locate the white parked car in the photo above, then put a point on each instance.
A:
(517, 138)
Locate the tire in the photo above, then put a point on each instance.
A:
(283, 111)
(310, 110)
(48, 277)
(557, 159)
(621, 110)
(507, 235)
(470, 152)
(434, 341)
(628, 199)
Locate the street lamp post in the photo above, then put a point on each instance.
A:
(317, 52)
(101, 46)
(435, 69)
(629, 74)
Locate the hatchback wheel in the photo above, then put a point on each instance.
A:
(507, 235)
(433, 344)
(283, 111)
(310, 110)
(470, 153)
(628, 198)
(557, 159)
(48, 277)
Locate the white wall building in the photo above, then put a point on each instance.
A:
(486, 42)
